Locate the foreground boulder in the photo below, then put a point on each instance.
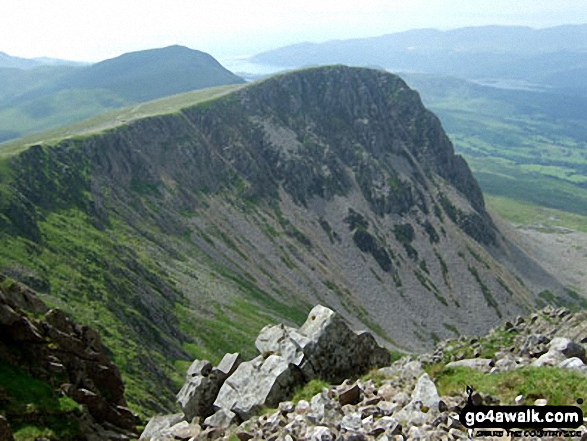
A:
(324, 347)
(202, 385)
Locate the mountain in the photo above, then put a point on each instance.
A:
(555, 57)
(180, 235)
(30, 63)
(51, 96)
(146, 75)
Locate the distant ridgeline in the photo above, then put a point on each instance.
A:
(179, 236)
(49, 96)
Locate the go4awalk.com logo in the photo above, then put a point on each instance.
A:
(530, 418)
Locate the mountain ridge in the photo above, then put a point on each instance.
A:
(536, 55)
(185, 232)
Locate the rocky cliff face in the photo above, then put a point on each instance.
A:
(186, 233)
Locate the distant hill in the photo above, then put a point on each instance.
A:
(50, 96)
(30, 63)
(535, 55)
(150, 74)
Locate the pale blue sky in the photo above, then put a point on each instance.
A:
(92, 30)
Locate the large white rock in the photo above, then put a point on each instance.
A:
(324, 347)
(424, 403)
(158, 424)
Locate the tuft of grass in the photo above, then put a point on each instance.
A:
(310, 389)
(31, 398)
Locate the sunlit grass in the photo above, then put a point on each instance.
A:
(116, 118)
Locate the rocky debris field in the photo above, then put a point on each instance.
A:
(400, 401)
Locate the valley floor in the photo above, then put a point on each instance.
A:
(556, 239)
(561, 251)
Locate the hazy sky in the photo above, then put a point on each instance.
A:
(90, 30)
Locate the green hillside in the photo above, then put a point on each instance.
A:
(39, 99)
(525, 146)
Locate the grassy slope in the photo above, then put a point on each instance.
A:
(116, 117)
(53, 96)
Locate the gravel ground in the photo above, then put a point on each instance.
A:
(561, 251)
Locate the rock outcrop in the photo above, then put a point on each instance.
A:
(323, 348)
(68, 357)
(402, 401)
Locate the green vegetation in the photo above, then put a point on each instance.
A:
(310, 389)
(28, 398)
(404, 234)
(116, 118)
(54, 96)
(559, 386)
(531, 214)
(489, 345)
(528, 150)
(485, 290)
(547, 297)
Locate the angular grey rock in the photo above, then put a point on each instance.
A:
(568, 348)
(387, 408)
(319, 433)
(389, 425)
(324, 347)
(480, 364)
(222, 419)
(203, 383)
(286, 407)
(426, 393)
(199, 367)
(424, 404)
(573, 363)
(352, 421)
(227, 366)
(534, 344)
(413, 369)
(158, 424)
(551, 358)
(506, 362)
(197, 395)
(322, 408)
(183, 430)
(258, 383)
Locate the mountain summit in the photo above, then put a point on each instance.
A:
(149, 74)
(181, 235)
